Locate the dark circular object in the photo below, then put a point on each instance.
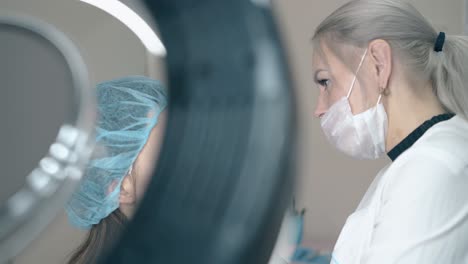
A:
(225, 172)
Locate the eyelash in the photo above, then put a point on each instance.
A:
(323, 82)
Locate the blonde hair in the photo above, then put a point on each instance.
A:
(412, 39)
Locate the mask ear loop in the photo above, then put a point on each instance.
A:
(355, 75)
(378, 100)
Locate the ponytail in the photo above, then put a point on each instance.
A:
(450, 75)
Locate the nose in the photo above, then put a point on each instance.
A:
(322, 106)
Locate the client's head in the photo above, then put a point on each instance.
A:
(128, 137)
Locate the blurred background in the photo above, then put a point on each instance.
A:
(329, 185)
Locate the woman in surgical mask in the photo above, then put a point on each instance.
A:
(128, 136)
(391, 84)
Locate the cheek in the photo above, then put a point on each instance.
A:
(142, 182)
(363, 96)
(356, 100)
(146, 167)
(335, 95)
(323, 99)
(147, 162)
(335, 92)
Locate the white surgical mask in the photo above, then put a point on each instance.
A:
(361, 136)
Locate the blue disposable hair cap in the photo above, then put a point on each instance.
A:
(128, 109)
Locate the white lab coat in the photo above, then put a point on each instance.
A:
(416, 210)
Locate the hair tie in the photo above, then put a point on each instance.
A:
(439, 44)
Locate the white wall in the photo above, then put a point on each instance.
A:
(465, 13)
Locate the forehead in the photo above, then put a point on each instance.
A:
(324, 59)
(333, 57)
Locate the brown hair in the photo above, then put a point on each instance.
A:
(100, 238)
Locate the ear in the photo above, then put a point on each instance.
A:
(381, 55)
(127, 191)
